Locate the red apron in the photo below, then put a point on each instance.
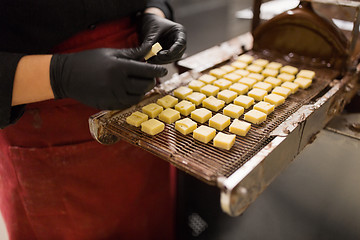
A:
(56, 182)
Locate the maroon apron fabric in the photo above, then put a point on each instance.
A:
(56, 182)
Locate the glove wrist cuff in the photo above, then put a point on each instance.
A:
(56, 64)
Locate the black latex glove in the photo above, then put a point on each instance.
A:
(103, 78)
(169, 34)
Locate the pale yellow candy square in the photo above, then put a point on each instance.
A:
(136, 118)
(154, 50)
(234, 111)
(255, 116)
(210, 90)
(244, 101)
(291, 85)
(239, 127)
(204, 134)
(219, 121)
(227, 95)
(254, 68)
(248, 81)
(228, 68)
(285, 92)
(257, 94)
(274, 99)
(268, 72)
(185, 107)
(261, 62)
(185, 126)
(239, 88)
(196, 85)
(196, 98)
(182, 92)
(217, 72)
(224, 141)
(233, 77)
(245, 58)
(303, 82)
(169, 115)
(222, 83)
(257, 76)
(201, 115)
(274, 65)
(289, 69)
(273, 81)
(264, 107)
(213, 103)
(242, 72)
(306, 74)
(286, 77)
(206, 78)
(152, 126)
(167, 101)
(263, 85)
(152, 110)
(239, 65)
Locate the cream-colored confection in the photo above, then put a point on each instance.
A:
(169, 115)
(274, 65)
(273, 81)
(182, 92)
(224, 141)
(255, 116)
(257, 94)
(303, 82)
(152, 126)
(204, 134)
(228, 68)
(263, 85)
(285, 92)
(154, 51)
(239, 127)
(196, 98)
(289, 69)
(239, 65)
(206, 78)
(257, 76)
(213, 103)
(185, 107)
(274, 99)
(233, 77)
(201, 115)
(222, 83)
(217, 72)
(239, 88)
(210, 90)
(268, 72)
(219, 121)
(245, 58)
(261, 62)
(248, 81)
(152, 110)
(227, 95)
(244, 101)
(264, 107)
(233, 111)
(196, 85)
(185, 126)
(242, 72)
(254, 68)
(136, 118)
(286, 77)
(291, 85)
(167, 101)
(306, 74)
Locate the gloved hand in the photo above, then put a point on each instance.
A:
(169, 34)
(103, 78)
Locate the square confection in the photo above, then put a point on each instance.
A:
(169, 115)
(152, 110)
(274, 99)
(245, 58)
(261, 62)
(248, 81)
(242, 72)
(239, 65)
(257, 76)
(254, 68)
(224, 141)
(210, 90)
(196, 85)
(239, 88)
(196, 98)
(219, 121)
(255, 116)
(303, 82)
(182, 92)
(257, 94)
(217, 72)
(291, 85)
(267, 72)
(228, 68)
(213, 103)
(264, 107)
(274, 65)
(285, 92)
(167, 101)
(244, 101)
(206, 78)
(233, 77)
(285, 77)
(263, 85)
(201, 115)
(152, 126)
(222, 83)
(306, 74)
(234, 111)
(136, 118)
(185, 107)
(273, 81)
(185, 126)
(289, 69)
(227, 95)
(239, 127)
(204, 134)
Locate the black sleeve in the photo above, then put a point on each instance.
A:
(8, 64)
(163, 5)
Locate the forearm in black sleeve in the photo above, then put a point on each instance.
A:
(163, 5)
(8, 64)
